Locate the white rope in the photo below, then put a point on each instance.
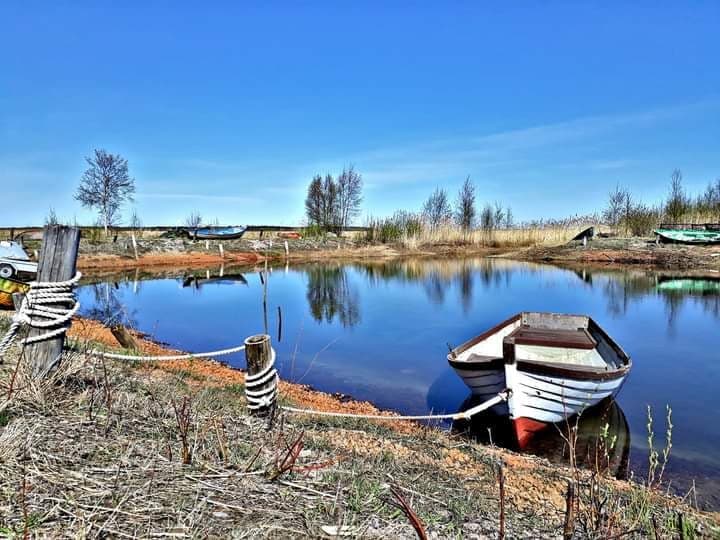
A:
(39, 309)
(114, 356)
(463, 415)
(265, 397)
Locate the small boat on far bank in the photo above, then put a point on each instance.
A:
(554, 365)
(217, 233)
(702, 233)
(8, 287)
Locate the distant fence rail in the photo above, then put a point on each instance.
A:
(14, 232)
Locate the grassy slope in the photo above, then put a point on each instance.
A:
(98, 447)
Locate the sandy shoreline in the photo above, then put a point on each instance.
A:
(426, 462)
(615, 252)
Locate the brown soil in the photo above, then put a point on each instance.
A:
(164, 260)
(159, 257)
(208, 372)
(641, 252)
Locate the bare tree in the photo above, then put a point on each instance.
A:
(436, 209)
(329, 207)
(106, 186)
(509, 219)
(193, 221)
(349, 196)
(710, 200)
(628, 208)
(487, 218)
(314, 201)
(498, 215)
(135, 221)
(51, 218)
(677, 203)
(465, 205)
(322, 203)
(617, 203)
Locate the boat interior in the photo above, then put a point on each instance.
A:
(548, 338)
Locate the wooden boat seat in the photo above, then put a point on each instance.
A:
(547, 337)
(482, 358)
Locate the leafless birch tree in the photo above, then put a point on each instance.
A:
(106, 186)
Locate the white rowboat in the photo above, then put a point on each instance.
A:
(554, 365)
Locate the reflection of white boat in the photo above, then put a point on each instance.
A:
(602, 436)
(554, 365)
(228, 279)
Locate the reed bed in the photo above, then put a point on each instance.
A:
(412, 233)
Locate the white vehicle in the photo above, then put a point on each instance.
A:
(13, 260)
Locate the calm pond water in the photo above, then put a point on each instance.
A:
(379, 332)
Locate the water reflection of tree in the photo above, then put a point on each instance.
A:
(330, 294)
(107, 308)
(436, 276)
(465, 285)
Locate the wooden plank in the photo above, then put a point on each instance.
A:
(57, 262)
(545, 337)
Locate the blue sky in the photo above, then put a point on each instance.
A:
(229, 108)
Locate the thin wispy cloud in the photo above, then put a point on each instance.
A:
(435, 160)
(198, 197)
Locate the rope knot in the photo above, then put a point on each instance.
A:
(48, 306)
(260, 399)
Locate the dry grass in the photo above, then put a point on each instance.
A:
(414, 234)
(510, 238)
(109, 449)
(77, 463)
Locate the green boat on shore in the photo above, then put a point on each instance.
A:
(708, 233)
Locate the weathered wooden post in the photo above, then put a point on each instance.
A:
(56, 262)
(134, 245)
(258, 354)
(123, 337)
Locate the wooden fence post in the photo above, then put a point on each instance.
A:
(258, 356)
(134, 244)
(56, 262)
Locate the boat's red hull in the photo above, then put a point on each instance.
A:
(525, 429)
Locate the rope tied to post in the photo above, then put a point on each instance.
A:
(48, 306)
(264, 398)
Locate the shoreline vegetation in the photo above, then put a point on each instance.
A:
(551, 247)
(168, 448)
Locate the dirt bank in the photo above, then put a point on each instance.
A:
(643, 252)
(159, 253)
(168, 449)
